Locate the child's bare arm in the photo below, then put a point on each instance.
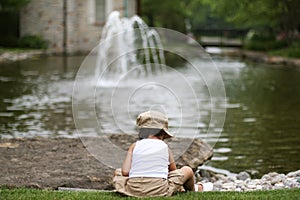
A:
(127, 162)
(172, 165)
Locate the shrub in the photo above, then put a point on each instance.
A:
(263, 42)
(292, 51)
(33, 42)
(9, 41)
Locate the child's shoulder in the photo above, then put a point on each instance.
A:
(132, 147)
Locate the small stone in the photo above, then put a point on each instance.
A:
(228, 186)
(220, 176)
(239, 182)
(55, 148)
(243, 176)
(273, 174)
(290, 179)
(213, 179)
(277, 179)
(232, 178)
(204, 174)
(278, 186)
(266, 186)
(259, 187)
(251, 186)
(217, 186)
(255, 181)
(266, 177)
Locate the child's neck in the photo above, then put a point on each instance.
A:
(155, 137)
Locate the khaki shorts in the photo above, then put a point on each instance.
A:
(145, 186)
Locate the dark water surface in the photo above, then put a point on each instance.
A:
(36, 97)
(261, 131)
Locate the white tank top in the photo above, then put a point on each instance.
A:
(150, 158)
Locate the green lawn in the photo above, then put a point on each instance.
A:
(51, 194)
(14, 50)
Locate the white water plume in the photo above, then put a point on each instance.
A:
(131, 35)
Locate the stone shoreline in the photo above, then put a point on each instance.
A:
(263, 57)
(10, 56)
(243, 181)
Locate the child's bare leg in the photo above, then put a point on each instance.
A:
(189, 180)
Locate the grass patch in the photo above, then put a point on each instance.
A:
(27, 41)
(18, 194)
(263, 42)
(15, 50)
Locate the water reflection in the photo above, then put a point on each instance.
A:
(36, 97)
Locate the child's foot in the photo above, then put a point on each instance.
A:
(204, 187)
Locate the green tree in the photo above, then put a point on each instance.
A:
(12, 5)
(272, 15)
(174, 14)
(165, 13)
(202, 16)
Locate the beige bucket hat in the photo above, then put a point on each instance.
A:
(153, 119)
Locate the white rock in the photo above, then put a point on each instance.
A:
(220, 176)
(259, 187)
(277, 179)
(251, 186)
(279, 186)
(230, 185)
(240, 182)
(269, 181)
(232, 178)
(243, 176)
(266, 177)
(273, 174)
(294, 174)
(256, 181)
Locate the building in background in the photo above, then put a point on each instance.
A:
(71, 26)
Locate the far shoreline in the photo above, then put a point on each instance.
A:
(255, 56)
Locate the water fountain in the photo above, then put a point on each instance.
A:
(131, 35)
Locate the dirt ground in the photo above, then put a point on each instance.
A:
(65, 162)
(51, 163)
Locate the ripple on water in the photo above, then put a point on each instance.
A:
(219, 158)
(249, 120)
(222, 150)
(6, 114)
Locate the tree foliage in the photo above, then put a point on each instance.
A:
(12, 5)
(275, 15)
(175, 14)
(162, 13)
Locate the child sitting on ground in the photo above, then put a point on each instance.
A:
(149, 168)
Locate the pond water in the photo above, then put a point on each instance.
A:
(261, 132)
